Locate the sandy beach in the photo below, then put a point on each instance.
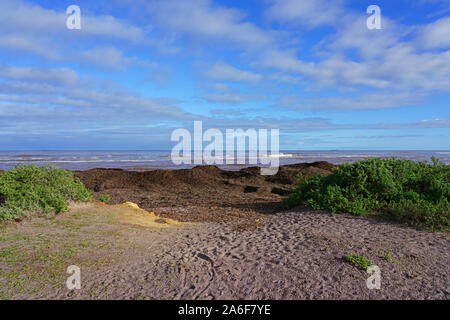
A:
(207, 233)
(296, 255)
(225, 150)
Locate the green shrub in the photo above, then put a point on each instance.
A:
(359, 261)
(104, 198)
(417, 194)
(28, 188)
(387, 256)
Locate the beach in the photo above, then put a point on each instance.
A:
(225, 150)
(208, 233)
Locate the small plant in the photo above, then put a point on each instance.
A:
(359, 261)
(388, 256)
(29, 188)
(104, 198)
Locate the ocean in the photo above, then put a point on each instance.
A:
(148, 160)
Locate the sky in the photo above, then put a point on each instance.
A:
(137, 70)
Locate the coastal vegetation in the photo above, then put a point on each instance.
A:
(417, 194)
(29, 188)
(359, 261)
(105, 198)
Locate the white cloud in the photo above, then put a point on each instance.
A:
(38, 46)
(227, 98)
(20, 17)
(280, 77)
(52, 75)
(108, 57)
(108, 26)
(281, 60)
(383, 60)
(369, 101)
(436, 35)
(423, 124)
(200, 18)
(353, 33)
(224, 72)
(30, 29)
(35, 94)
(310, 13)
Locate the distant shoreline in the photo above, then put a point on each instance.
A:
(151, 160)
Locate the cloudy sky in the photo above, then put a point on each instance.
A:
(138, 69)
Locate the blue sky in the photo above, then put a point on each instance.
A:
(137, 70)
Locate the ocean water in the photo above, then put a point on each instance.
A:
(148, 160)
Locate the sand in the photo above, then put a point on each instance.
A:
(296, 255)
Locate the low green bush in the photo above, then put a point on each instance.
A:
(359, 261)
(104, 198)
(414, 193)
(29, 188)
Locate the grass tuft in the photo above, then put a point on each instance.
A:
(105, 198)
(359, 261)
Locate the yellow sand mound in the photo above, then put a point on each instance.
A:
(130, 213)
